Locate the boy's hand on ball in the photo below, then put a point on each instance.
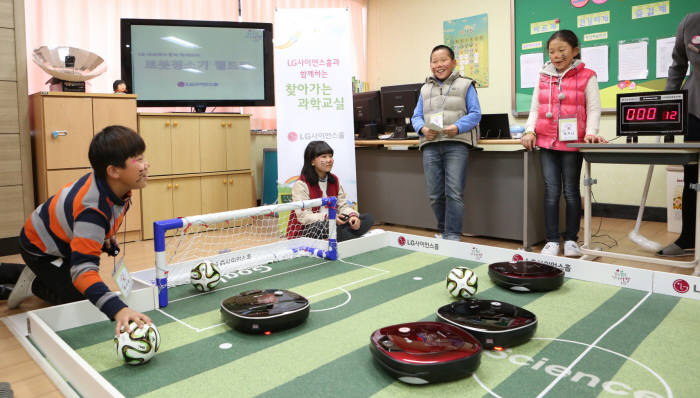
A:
(125, 316)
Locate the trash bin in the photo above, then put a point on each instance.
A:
(674, 198)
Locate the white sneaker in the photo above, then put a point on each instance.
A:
(551, 249)
(571, 249)
(438, 236)
(22, 289)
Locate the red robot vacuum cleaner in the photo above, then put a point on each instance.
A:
(494, 323)
(526, 276)
(425, 352)
(260, 311)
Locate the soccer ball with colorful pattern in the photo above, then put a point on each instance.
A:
(462, 282)
(138, 345)
(205, 276)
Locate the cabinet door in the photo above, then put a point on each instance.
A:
(57, 179)
(155, 131)
(238, 143)
(11, 211)
(71, 119)
(185, 145)
(187, 199)
(240, 191)
(214, 194)
(156, 204)
(111, 111)
(212, 141)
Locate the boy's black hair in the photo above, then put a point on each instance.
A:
(313, 150)
(117, 83)
(567, 36)
(443, 47)
(113, 146)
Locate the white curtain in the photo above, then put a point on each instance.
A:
(93, 25)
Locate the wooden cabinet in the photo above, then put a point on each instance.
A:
(200, 163)
(172, 144)
(63, 126)
(167, 198)
(227, 192)
(16, 185)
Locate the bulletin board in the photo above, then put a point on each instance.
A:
(596, 23)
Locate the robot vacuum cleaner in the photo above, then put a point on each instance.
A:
(526, 276)
(425, 352)
(260, 311)
(494, 323)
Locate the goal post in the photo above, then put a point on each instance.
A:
(241, 239)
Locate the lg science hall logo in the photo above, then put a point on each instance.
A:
(417, 243)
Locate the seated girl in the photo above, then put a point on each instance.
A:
(317, 181)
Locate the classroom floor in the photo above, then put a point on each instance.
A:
(28, 380)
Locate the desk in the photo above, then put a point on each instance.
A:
(503, 196)
(635, 154)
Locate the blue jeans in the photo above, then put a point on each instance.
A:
(561, 168)
(445, 170)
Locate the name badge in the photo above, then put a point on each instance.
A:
(122, 278)
(568, 129)
(436, 119)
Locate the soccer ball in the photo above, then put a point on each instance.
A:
(205, 276)
(462, 282)
(138, 345)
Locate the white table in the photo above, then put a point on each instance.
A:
(636, 154)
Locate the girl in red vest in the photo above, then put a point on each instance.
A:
(565, 109)
(317, 181)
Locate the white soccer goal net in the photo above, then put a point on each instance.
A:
(240, 239)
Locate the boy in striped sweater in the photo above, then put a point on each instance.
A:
(62, 239)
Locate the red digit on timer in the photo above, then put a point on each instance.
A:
(630, 114)
(651, 114)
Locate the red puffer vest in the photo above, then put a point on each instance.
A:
(573, 85)
(294, 227)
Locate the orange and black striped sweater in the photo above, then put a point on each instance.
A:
(73, 225)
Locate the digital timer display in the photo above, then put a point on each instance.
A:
(652, 113)
(648, 113)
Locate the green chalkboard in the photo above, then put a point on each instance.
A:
(621, 26)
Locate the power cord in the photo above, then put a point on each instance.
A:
(597, 233)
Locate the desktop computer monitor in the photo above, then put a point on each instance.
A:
(398, 103)
(367, 114)
(494, 125)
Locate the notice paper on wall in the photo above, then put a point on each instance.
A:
(632, 60)
(596, 58)
(530, 65)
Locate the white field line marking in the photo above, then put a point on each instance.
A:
(590, 347)
(339, 305)
(383, 272)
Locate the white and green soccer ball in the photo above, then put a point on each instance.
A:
(462, 282)
(205, 276)
(138, 345)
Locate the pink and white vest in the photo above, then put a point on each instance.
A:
(573, 85)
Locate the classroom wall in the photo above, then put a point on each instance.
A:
(401, 34)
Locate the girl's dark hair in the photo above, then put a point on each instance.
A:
(567, 36)
(117, 83)
(443, 47)
(313, 150)
(113, 146)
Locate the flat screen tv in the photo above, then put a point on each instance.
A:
(170, 62)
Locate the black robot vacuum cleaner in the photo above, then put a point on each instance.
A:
(526, 276)
(425, 352)
(260, 311)
(493, 322)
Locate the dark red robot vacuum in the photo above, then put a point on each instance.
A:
(526, 276)
(425, 352)
(494, 323)
(260, 311)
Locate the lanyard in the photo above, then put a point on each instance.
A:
(430, 101)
